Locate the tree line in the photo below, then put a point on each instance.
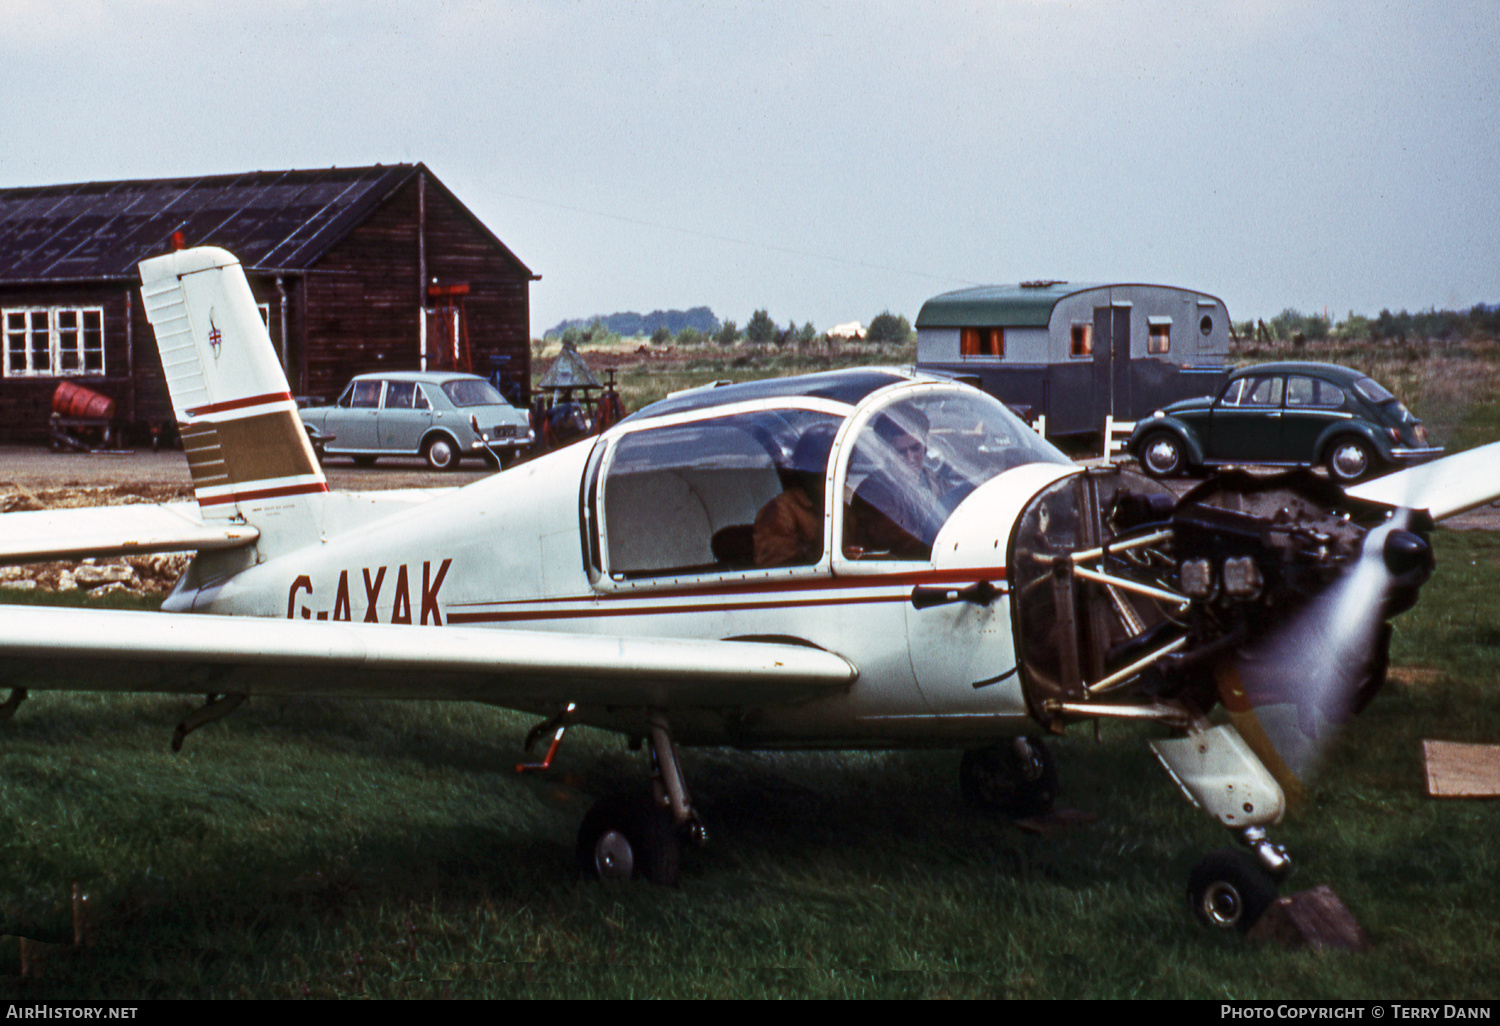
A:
(1291, 325)
(699, 326)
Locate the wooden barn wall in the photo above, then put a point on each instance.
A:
(357, 310)
(364, 298)
(361, 301)
(497, 307)
(26, 402)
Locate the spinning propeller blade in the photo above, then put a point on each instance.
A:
(1290, 691)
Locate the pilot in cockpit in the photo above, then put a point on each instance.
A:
(896, 511)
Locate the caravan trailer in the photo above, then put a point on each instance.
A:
(1078, 353)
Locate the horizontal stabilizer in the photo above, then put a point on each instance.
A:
(106, 650)
(62, 534)
(1444, 487)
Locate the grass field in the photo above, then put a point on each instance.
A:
(310, 848)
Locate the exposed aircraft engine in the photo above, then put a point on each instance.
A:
(1256, 592)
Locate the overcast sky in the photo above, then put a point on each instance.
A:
(829, 160)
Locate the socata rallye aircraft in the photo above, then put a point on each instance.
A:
(857, 559)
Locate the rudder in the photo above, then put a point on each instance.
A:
(247, 451)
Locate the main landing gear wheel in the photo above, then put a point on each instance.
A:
(625, 836)
(1016, 779)
(1228, 890)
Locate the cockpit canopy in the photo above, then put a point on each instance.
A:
(874, 459)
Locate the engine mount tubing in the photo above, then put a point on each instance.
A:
(1135, 667)
(1140, 589)
(1129, 543)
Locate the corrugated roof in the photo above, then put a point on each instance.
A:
(270, 220)
(1011, 306)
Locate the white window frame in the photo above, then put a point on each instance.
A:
(72, 339)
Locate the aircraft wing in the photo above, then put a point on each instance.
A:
(1444, 487)
(48, 648)
(114, 531)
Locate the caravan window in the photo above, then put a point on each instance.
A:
(684, 499)
(1083, 340)
(982, 342)
(1160, 338)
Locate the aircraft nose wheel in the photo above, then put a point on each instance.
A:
(625, 836)
(1228, 890)
(1016, 779)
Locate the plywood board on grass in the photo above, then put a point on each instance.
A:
(1456, 770)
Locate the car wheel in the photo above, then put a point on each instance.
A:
(1350, 460)
(1162, 455)
(441, 453)
(1228, 890)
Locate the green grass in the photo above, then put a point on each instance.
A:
(387, 849)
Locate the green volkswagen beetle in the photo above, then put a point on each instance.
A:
(1285, 414)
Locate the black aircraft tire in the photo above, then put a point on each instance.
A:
(627, 836)
(1228, 890)
(999, 779)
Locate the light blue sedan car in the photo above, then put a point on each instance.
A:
(440, 416)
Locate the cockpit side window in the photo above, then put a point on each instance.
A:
(692, 498)
(917, 459)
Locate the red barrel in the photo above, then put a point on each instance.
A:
(70, 400)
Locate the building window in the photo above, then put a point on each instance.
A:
(1160, 338)
(982, 342)
(53, 341)
(1083, 340)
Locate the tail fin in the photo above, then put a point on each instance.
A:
(247, 451)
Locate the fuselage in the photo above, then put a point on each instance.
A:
(632, 534)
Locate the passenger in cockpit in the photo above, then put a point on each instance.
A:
(788, 530)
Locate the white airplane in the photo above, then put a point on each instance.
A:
(857, 559)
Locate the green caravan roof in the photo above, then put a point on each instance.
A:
(1010, 306)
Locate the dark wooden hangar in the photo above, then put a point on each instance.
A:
(355, 269)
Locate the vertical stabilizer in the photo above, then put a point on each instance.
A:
(247, 450)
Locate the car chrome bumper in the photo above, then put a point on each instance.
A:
(513, 442)
(1426, 452)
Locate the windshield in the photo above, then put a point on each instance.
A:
(471, 392)
(916, 460)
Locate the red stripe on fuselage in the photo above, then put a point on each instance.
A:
(264, 493)
(709, 593)
(240, 404)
